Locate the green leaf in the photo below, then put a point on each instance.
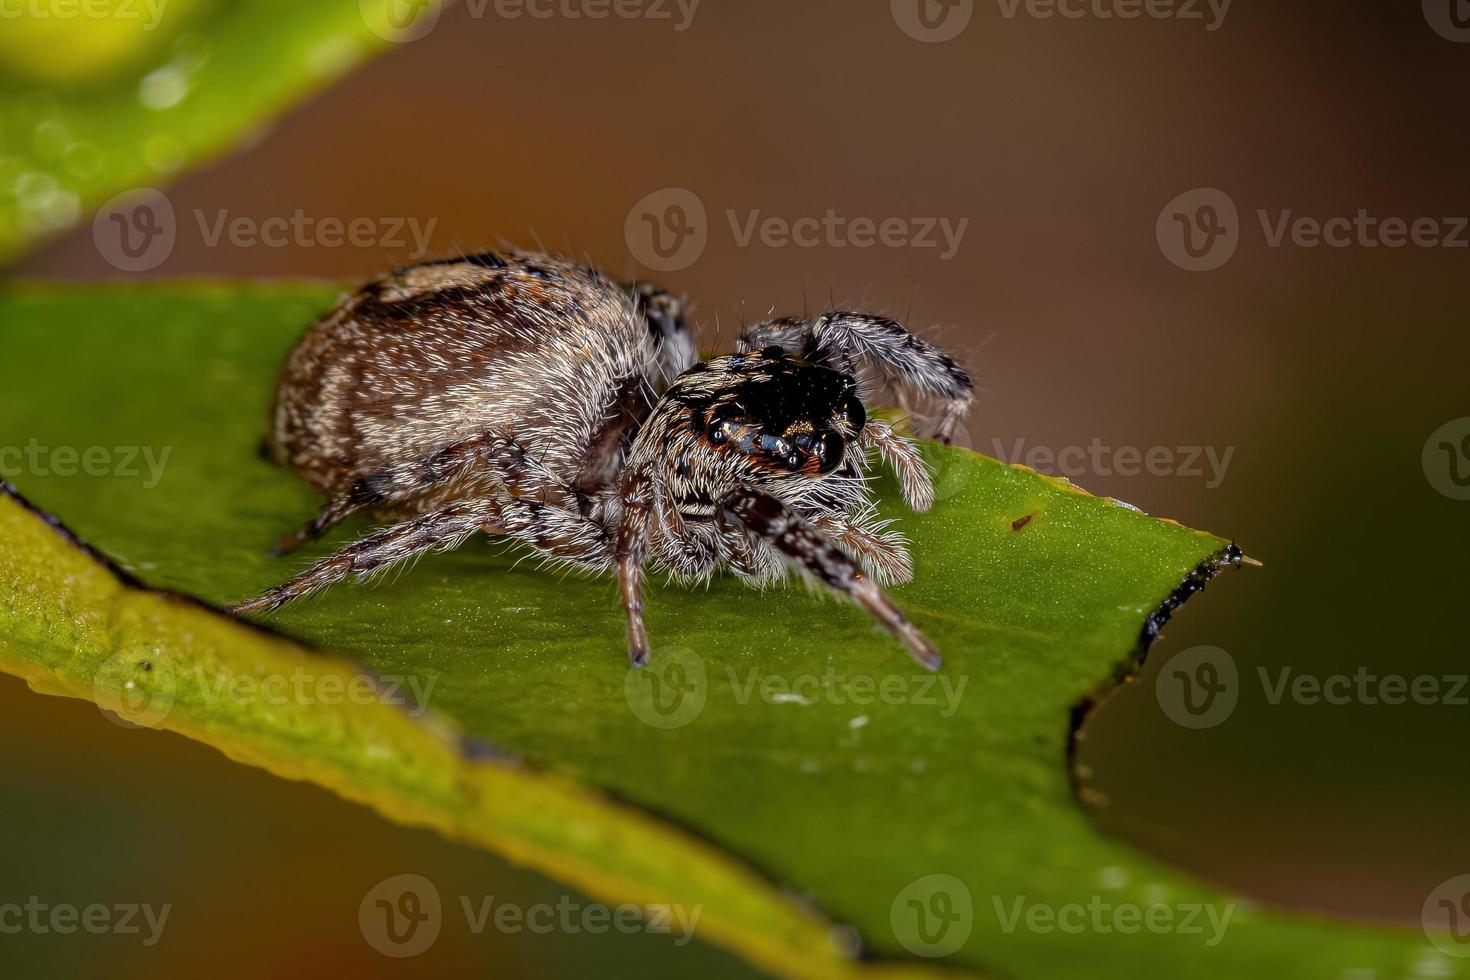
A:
(781, 764)
(94, 105)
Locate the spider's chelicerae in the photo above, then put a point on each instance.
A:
(530, 397)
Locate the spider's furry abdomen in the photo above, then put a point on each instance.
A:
(550, 353)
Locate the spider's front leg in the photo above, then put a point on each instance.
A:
(632, 544)
(853, 342)
(771, 520)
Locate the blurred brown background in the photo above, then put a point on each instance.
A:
(1321, 371)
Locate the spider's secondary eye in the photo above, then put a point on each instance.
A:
(793, 461)
(857, 417)
(719, 433)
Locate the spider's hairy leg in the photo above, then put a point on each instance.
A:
(769, 519)
(851, 342)
(394, 484)
(333, 512)
(900, 453)
(439, 530)
(553, 530)
(883, 554)
(631, 544)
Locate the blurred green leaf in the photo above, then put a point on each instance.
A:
(785, 746)
(103, 96)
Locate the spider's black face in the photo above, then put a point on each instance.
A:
(782, 413)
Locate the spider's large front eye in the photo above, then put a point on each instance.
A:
(829, 451)
(825, 450)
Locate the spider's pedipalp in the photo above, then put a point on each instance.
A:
(914, 481)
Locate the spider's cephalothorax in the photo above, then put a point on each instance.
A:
(529, 397)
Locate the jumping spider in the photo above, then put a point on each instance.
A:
(530, 397)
